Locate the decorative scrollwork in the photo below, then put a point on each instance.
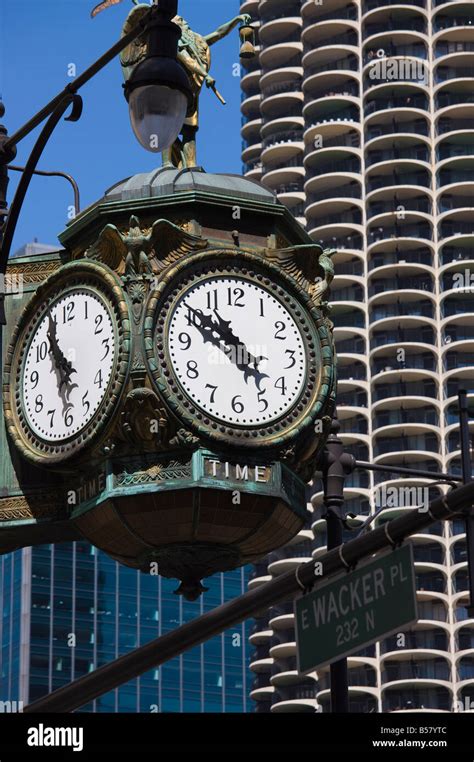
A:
(143, 418)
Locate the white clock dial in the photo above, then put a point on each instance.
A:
(236, 351)
(68, 365)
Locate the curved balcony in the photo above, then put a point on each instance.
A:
(398, 20)
(329, 85)
(400, 253)
(363, 676)
(402, 335)
(465, 637)
(383, 445)
(398, 357)
(426, 695)
(295, 698)
(322, 34)
(282, 145)
(383, 388)
(453, 68)
(383, 282)
(389, 305)
(399, 97)
(458, 16)
(400, 229)
(416, 669)
(334, 110)
(455, 171)
(283, 54)
(406, 147)
(370, 5)
(384, 124)
(404, 173)
(463, 251)
(403, 44)
(457, 302)
(282, 28)
(417, 416)
(261, 690)
(416, 642)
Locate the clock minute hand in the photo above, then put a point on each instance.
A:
(62, 365)
(250, 364)
(207, 327)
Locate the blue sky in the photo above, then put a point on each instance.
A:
(38, 41)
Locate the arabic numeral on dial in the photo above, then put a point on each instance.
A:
(192, 371)
(212, 303)
(280, 384)
(185, 340)
(85, 403)
(41, 351)
(34, 378)
(68, 312)
(291, 353)
(39, 403)
(98, 378)
(237, 406)
(98, 322)
(106, 344)
(68, 419)
(235, 296)
(260, 398)
(213, 393)
(51, 417)
(193, 317)
(279, 330)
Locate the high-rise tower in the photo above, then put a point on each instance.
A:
(360, 116)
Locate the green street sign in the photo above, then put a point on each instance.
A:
(355, 609)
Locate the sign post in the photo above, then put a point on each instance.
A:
(356, 609)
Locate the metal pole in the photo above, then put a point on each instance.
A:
(69, 178)
(435, 475)
(467, 477)
(336, 465)
(284, 587)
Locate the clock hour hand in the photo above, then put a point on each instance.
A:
(234, 349)
(62, 365)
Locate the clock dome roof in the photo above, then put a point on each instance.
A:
(170, 181)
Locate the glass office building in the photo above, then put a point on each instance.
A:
(68, 609)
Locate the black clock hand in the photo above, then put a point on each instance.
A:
(245, 360)
(62, 365)
(234, 349)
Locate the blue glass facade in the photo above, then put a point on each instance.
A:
(68, 609)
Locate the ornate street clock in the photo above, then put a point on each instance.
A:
(66, 364)
(179, 382)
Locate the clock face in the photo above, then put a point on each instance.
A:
(236, 351)
(68, 365)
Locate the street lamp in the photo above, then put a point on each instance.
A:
(158, 91)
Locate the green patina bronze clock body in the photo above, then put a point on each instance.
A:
(174, 382)
(67, 364)
(234, 350)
